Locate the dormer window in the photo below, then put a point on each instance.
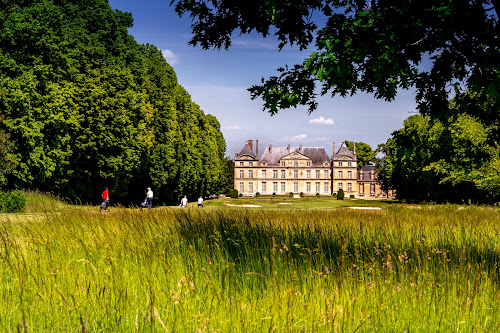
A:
(308, 163)
(283, 163)
(250, 163)
(349, 164)
(241, 163)
(340, 164)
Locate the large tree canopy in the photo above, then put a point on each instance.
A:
(375, 46)
(88, 107)
(455, 160)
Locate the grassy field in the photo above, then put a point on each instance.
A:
(313, 266)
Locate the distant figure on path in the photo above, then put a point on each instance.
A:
(200, 202)
(105, 197)
(184, 202)
(149, 198)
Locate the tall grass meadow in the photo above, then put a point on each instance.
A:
(242, 270)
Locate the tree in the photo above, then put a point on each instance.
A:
(364, 153)
(454, 160)
(227, 179)
(88, 107)
(383, 169)
(8, 161)
(377, 47)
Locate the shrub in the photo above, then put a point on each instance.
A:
(301, 194)
(291, 195)
(340, 195)
(274, 194)
(11, 202)
(317, 195)
(240, 195)
(257, 194)
(351, 196)
(334, 194)
(233, 193)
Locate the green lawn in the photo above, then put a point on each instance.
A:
(285, 202)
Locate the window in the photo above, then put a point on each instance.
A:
(242, 164)
(283, 187)
(250, 187)
(264, 174)
(308, 163)
(250, 163)
(317, 187)
(349, 174)
(295, 163)
(317, 174)
(283, 163)
(242, 187)
(372, 176)
(325, 187)
(308, 187)
(264, 187)
(242, 174)
(340, 186)
(295, 187)
(340, 164)
(250, 174)
(349, 164)
(295, 174)
(340, 174)
(275, 174)
(361, 188)
(308, 173)
(283, 174)
(325, 174)
(275, 187)
(372, 188)
(349, 187)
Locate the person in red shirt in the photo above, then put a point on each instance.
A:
(105, 197)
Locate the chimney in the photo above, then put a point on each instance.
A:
(250, 144)
(235, 156)
(257, 148)
(271, 148)
(300, 149)
(354, 148)
(288, 147)
(333, 148)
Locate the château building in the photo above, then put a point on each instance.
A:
(308, 170)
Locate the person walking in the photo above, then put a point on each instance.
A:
(200, 202)
(184, 202)
(149, 198)
(105, 197)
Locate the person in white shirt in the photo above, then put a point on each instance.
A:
(184, 202)
(200, 202)
(149, 198)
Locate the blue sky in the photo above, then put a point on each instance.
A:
(218, 81)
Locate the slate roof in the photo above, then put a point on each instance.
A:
(246, 151)
(316, 154)
(366, 173)
(344, 151)
(368, 168)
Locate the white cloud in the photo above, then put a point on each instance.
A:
(321, 121)
(170, 56)
(303, 138)
(231, 127)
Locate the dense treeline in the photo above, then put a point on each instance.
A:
(87, 106)
(453, 158)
